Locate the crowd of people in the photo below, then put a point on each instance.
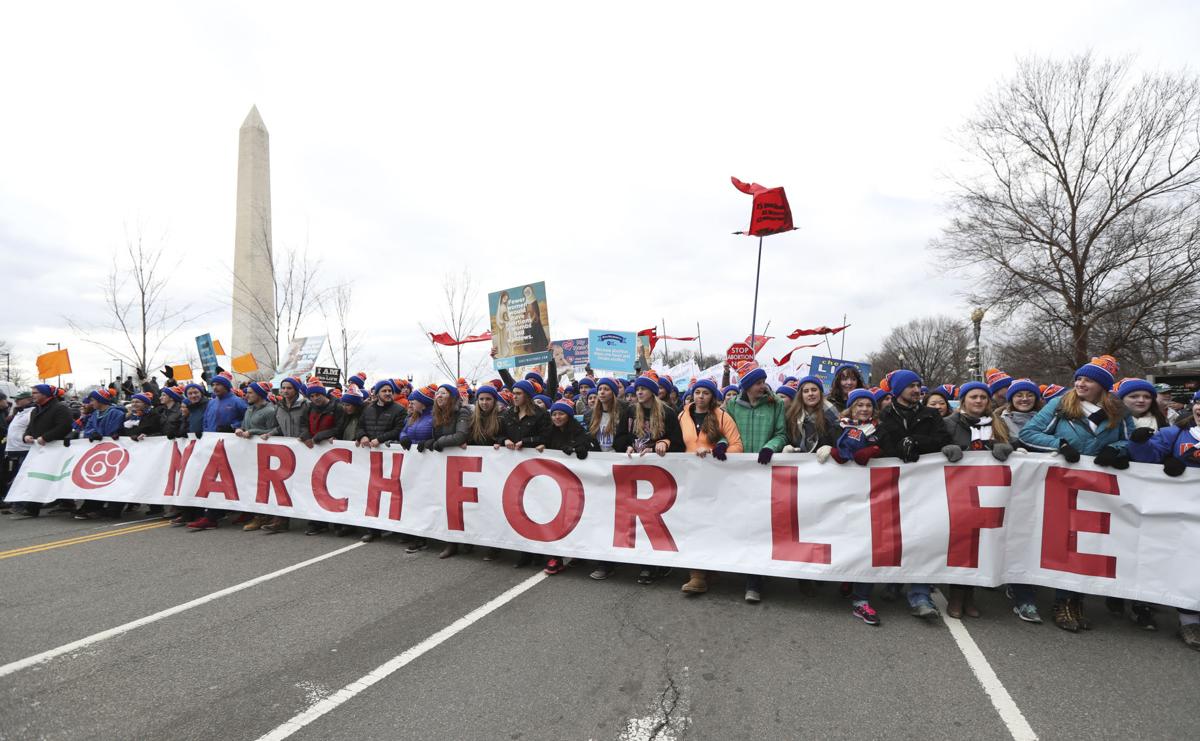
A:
(1112, 422)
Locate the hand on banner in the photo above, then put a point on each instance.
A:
(264, 436)
(436, 446)
(1172, 466)
(95, 437)
(702, 452)
(240, 433)
(421, 446)
(953, 453)
(405, 443)
(764, 456)
(863, 456)
(511, 445)
(140, 438)
(308, 443)
(28, 439)
(1001, 451)
(540, 448)
(661, 447)
(823, 453)
(789, 449)
(581, 452)
(1112, 456)
(909, 452)
(1068, 451)
(719, 451)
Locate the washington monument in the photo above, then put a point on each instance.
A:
(254, 318)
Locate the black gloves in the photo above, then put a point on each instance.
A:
(1068, 451)
(95, 437)
(581, 452)
(436, 445)
(908, 450)
(1141, 435)
(406, 443)
(199, 434)
(66, 442)
(1172, 466)
(764, 456)
(1112, 456)
(720, 449)
(421, 446)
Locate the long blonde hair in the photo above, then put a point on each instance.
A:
(598, 411)
(1071, 407)
(485, 427)
(657, 426)
(796, 411)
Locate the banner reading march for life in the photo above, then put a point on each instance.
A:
(1032, 520)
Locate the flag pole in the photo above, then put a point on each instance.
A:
(754, 316)
(666, 350)
(699, 341)
(843, 352)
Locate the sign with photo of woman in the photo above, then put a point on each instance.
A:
(520, 325)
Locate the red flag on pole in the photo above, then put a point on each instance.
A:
(444, 338)
(770, 213)
(784, 360)
(798, 333)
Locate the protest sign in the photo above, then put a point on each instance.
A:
(1034, 519)
(570, 354)
(612, 350)
(208, 353)
(823, 368)
(329, 376)
(520, 325)
(300, 359)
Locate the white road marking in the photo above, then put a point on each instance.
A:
(396, 663)
(103, 635)
(1012, 716)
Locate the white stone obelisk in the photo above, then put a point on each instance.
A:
(254, 328)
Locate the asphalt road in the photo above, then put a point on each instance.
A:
(568, 658)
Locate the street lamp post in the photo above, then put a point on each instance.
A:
(977, 320)
(8, 367)
(57, 346)
(109, 375)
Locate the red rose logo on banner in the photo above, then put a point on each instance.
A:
(100, 466)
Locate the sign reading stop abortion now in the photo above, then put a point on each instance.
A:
(1032, 520)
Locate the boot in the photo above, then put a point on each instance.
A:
(1065, 617)
(954, 602)
(451, 549)
(256, 523)
(1077, 606)
(277, 525)
(969, 608)
(697, 583)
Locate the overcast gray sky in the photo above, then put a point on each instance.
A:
(586, 146)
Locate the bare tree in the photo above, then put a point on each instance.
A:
(298, 292)
(1086, 209)
(461, 316)
(139, 311)
(344, 343)
(12, 365)
(936, 348)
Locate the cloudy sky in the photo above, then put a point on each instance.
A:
(586, 146)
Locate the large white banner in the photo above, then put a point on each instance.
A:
(1032, 520)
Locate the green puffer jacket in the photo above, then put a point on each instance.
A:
(259, 420)
(763, 425)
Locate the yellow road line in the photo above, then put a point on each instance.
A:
(76, 541)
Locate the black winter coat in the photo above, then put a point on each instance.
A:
(570, 438)
(382, 423)
(456, 432)
(672, 432)
(50, 422)
(924, 426)
(529, 430)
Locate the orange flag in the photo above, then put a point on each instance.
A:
(54, 363)
(218, 349)
(182, 372)
(245, 363)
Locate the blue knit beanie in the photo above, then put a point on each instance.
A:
(562, 406)
(857, 394)
(751, 378)
(1128, 385)
(1103, 370)
(526, 387)
(705, 383)
(647, 383)
(973, 386)
(812, 379)
(1022, 384)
